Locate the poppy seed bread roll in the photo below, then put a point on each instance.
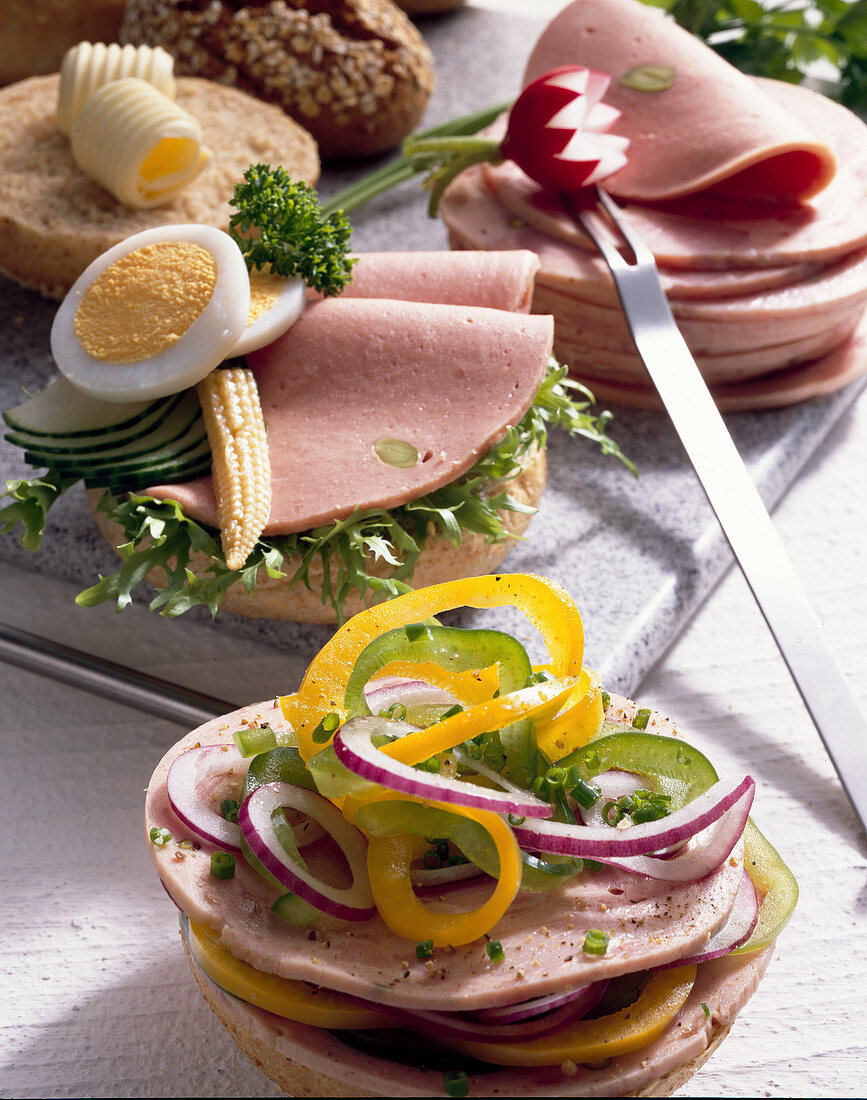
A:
(355, 73)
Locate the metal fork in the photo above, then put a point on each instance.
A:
(731, 492)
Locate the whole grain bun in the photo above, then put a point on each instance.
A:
(440, 561)
(54, 220)
(35, 34)
(355, 73)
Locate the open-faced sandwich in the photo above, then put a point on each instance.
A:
(438, 869)
(270, 424)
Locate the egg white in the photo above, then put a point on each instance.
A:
(276, 320)
(209, 340)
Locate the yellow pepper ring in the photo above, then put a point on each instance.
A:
(577, 723)
(546, 605)
(538, 701)
(293, 1000)
(594, 1040)
(388, 865)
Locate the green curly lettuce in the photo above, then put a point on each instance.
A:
(157, 534)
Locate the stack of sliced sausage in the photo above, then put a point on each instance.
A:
(752, 195)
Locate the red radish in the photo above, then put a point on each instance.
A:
(557, 130)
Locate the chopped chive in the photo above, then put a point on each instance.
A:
(606, 699)
(595, 942)
(396, 711)
(642, 717)
(431, 860)
(473, 751)
(705, 1009)
(556, 776)
(222, 865)
(229, 810)
(432, 765)
(585, 795)
(251, 742)
(514, 819)
(456, 860)
(540, 786)
(424, 949)
(326, 728)
(159, 837)
(591, 759)
(416, 632)
(456, 1083)
(495, 950)
(451, 712)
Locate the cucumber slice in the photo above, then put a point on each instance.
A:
(181, 429)
(102, 440)
(63, 410)
(196, 464)
(193, 445)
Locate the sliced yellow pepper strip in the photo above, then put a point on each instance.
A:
(548, 607)
(538, 701)
(469, 687)
(293, 1000)
(577, 723)
(594, 1040)
(388, 865)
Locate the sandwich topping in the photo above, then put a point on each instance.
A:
(436, 836)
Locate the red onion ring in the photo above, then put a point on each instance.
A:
(385, 692)
(456, 1025)
(255, 820)
(185, 774)
(621, 846)
(580, 1000)
(354, 750)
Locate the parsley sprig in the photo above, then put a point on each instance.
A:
(280, 226)
(784, 39)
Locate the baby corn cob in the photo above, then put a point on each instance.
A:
(241, 466)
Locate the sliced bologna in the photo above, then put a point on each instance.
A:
(353, 373)
(477, 218)
(745, 144)
(503, 280)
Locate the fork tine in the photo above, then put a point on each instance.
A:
(640, 250)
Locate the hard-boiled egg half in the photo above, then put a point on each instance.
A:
(275, 305)
(154, 314)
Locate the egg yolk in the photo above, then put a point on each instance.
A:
(265, 290)
(143, 303)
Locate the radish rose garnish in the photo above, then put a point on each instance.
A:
(557, 132)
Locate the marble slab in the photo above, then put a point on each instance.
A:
(639, 555)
